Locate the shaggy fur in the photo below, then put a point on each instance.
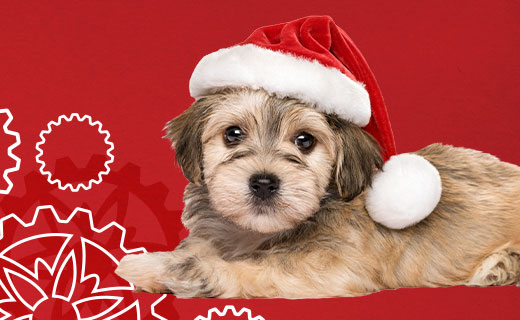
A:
(315, 238)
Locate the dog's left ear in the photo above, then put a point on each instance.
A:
(185, 134)
(358, 158)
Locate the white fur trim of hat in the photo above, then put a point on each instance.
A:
(284, 75)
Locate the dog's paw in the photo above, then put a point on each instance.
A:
(144, 271)
(500, 268)
(191, 276)
(178, 272)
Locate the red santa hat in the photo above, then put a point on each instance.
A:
(314, 60)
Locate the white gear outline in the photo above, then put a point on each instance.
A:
(225, 311)
(52, 269)
(10, 151)
(92, 123)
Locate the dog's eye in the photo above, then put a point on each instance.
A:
(233, 135)
(304, 141)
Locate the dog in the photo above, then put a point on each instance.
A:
(275, 206)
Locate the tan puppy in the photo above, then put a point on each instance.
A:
(275, 208)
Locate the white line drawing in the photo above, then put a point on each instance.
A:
(153, 308)
(92, 124)
(56, 268)
(227, 308)
(10, 274)
(10, 151)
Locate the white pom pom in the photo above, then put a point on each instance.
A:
(406, 191)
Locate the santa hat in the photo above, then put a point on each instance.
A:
(314, 60)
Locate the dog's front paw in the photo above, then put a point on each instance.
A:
(181, 273)
(191, 276)
(145, 270)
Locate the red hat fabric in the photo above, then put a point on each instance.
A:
(310, 58)
(319, 38)
(314, 60)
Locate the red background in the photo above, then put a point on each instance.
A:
(449, 72)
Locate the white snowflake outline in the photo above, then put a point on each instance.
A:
(10, 149)
(80, 185)
(225, 311)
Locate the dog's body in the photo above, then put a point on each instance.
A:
(332, 247)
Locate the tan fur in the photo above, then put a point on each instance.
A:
(301, 189)
(313, 241)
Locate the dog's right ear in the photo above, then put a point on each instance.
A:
(185, 134)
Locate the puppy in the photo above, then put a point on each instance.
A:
(276, 208)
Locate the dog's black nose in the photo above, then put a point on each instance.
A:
(264, 185)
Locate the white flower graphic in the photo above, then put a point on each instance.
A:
(52, 267)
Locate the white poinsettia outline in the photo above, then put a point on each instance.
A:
(92, 123)
(95, 276)
(9, 274)
(70, 257)
(224, 312)
(10, 151)
(41, 261)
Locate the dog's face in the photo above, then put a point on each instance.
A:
(268, 162)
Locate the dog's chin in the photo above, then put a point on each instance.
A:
(263, 224)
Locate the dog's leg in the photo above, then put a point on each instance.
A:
(195, 270)
(188, 271)
(500, 268)
(143, 270)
